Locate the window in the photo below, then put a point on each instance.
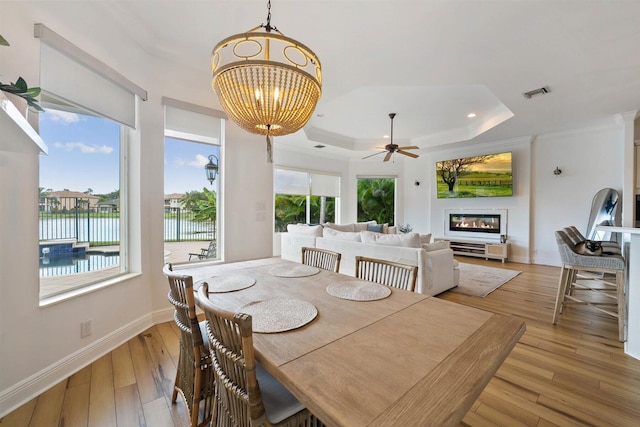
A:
(80, 210)
(376, 199)
(88, 122)
(193, 136)
(304, 197)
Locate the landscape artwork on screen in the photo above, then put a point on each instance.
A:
(488, 175)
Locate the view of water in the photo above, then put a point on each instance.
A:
(62, 265)
(99, 230)
(108, 229)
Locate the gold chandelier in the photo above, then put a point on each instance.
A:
(268, 84)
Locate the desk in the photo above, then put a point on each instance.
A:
(408, 359)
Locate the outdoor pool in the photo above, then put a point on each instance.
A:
(73, 264)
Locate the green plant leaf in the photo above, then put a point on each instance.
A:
(3, 41)
(21, 84)
(33, 92)
(21, 89)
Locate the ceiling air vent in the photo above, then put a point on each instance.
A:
(539, 91)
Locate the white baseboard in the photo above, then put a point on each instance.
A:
(36, 384)
(162, 316)
(521, 259)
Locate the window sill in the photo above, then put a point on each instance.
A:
(73, 293)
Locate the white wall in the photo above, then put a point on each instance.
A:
(248, 197)
(417, 198)
(590, 160)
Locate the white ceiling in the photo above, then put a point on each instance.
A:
(432, 62)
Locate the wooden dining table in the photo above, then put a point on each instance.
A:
(405, 360)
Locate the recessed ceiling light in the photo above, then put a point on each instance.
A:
(471, 115)
(319, 146)
(386, 137)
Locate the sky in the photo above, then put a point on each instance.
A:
(84, 154)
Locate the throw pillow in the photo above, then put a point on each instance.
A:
(409, 240)
(376, 228)
(305, 230)
(391, 230)
(368, 236)
(345, 227)
(425, 238)
(361, 226)
(330, 233)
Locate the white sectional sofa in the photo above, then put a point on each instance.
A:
(437, 270)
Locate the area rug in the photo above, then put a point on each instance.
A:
(480, 281)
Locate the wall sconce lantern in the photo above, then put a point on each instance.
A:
(211, 169)
(557, 171)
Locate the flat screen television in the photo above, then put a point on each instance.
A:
(488, 175)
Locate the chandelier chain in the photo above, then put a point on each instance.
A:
(268, 26)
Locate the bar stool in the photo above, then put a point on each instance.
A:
(570, 281)
(608, 247)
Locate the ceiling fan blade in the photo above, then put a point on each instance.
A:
(406, 153)
(410, 147)
(388, 156)
(374, 154)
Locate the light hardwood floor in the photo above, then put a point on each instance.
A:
(574, 373)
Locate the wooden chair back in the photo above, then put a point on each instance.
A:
(321, 258)
(231, 343)
(194, 374)
(239, 401)
(387, 273)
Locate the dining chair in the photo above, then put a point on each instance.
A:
(578, 270)
(194, 376)
(247, 395)
(321, 258)
(387, 273)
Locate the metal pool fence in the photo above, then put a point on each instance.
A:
(103, 227)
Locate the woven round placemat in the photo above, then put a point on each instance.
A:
(220, 284)
(279, 314)
(295, 270)
(359, 290)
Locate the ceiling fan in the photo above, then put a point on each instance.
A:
(393, 148)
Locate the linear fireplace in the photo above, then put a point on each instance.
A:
(478, 223)
(475, 223)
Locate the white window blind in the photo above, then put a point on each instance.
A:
(325, 185)
(306, 183)
(291, 182)
(192, 122)
(73, 76)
